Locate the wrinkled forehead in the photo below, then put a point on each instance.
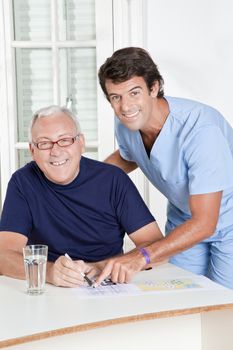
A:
(54, 125)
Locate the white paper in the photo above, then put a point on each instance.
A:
(113, 290)
(179, 285)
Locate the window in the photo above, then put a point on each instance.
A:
(50, 53)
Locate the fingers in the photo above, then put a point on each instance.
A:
(106, 272)
(116, 271)
(92, 272)
(121, 269)
(67, 273)
(119, 273)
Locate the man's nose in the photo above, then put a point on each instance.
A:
(125, 103)
(55, 149)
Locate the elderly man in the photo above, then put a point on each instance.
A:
(73, 204)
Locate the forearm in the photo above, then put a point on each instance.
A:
(11, 264)
(180, 239)
(116, 159)
(205, 212)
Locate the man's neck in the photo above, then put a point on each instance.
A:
(151, 131)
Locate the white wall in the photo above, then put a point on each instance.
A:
(192, 43)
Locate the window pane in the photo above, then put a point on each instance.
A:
(76, 19)
(92, 155)
(24, 157)
(32, 19)
(78, 81)
(34, 85)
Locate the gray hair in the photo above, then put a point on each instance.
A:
(49, 111)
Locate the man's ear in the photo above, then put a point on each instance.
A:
(31, 149)
(154, 89)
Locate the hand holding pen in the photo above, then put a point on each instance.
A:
(87, 279)
(91, 283)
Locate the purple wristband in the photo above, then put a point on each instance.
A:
(145, 254)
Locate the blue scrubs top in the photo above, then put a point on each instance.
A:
(193, 154)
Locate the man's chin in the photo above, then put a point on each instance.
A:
(59, 180)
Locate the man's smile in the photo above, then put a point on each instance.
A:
(59, 163)
(130, 115)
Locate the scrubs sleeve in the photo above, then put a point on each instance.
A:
(209, 161)
(124, 153)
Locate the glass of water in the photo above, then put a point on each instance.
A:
(35, 259)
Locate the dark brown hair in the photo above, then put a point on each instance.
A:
(127, 63)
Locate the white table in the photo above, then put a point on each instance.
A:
(189, 319)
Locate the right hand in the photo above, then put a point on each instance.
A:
(67, 273)
(121, 269)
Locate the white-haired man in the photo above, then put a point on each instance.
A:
(73, 204)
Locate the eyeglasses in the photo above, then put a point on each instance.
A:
(44, 145)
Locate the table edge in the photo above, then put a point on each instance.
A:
(111, 322)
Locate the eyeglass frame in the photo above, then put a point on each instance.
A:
(52, 143)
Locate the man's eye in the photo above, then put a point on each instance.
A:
(44, 144)
(115, 98)
(135, 93)
(65, 142)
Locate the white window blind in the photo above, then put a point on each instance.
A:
(32, 20)
(55, 60)
(78, 20)
(78, 73)
(34, 85)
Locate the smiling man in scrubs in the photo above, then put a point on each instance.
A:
(185, 149)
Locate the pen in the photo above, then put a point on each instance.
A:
(90, 283)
